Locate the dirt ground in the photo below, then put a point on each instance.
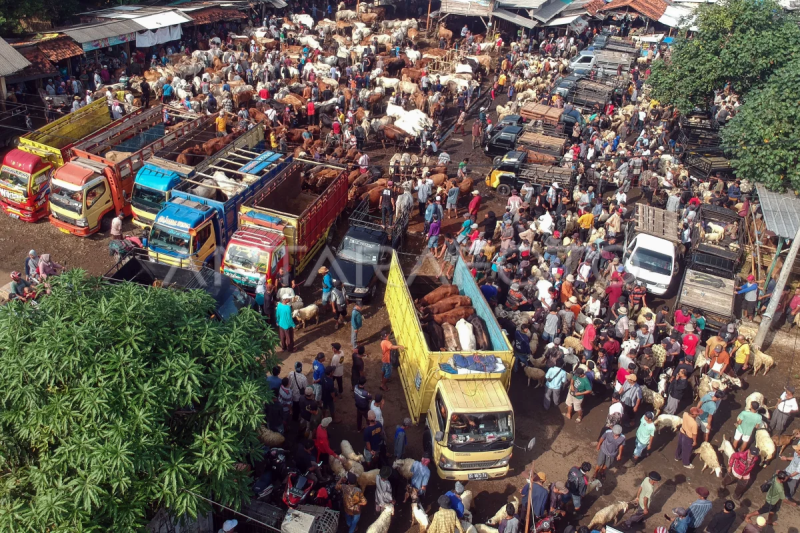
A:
(561, 443)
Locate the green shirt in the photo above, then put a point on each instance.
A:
(581, 385)
(748, 420)
(645, 431)
(647, 492)
(775, 492)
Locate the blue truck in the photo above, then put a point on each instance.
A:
(179, 160)
(202, 213)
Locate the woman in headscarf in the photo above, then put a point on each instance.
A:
(48, 268)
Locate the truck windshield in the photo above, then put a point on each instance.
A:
(247, 258)
(147, 199)
(359, 251)
(480, 429)
(652, 261)
(169, 239)
(507, 166)
(15, 180)
(66, 198)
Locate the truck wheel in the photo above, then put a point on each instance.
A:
(496, 160)
(503, 190)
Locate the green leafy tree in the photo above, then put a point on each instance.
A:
(118, 399)
(740, 42)
(12, 11)
(764, 136)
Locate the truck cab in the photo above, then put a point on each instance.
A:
(184, 234)
(566, 86)
(254, 252)
(25, 185)
(503, 141)
(512, 170)
(81, 195)
(472, 430)
(151, 191)
(651, 260)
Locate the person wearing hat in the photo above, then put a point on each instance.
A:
(643, 498)
(352, 500)
(475, 204)
(285, 323)
(229, 526)
(720, 360)
(578, 389)
(383, 489)
(327, 288)
(455, 499)
(699, 509)
(687, 437)
(321, 441)
(723, 521)
(784, 412)
(681, 522)
(709, 404)
(445, 520)
(567, 289)
(750, 291)
(400, 438)
(690, 342)
(754, 525)
(609, 446)
(745, 424)
(536, 495)
(644, 436)
(793, 470)
(740, 465)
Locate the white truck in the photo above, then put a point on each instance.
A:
(602, 62)
(652, 248)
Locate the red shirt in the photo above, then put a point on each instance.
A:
(310, 108)
(589, 333)
(475, 204)
(611, 347)
(690, 342)
(622, 373)
(614, 291)
(263, 93)
(742, 463)
(794, 303)
(386, 351)
(681, 320)
(322, 442)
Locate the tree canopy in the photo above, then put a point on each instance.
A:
(738, 42)
(117, 399)
(764, 135)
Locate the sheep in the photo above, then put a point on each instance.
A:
(608, 515)
(714, 237)
(700, 359)
(668, 421)
(348, 452)
(710, 459)
(765, 445)
(467, 525)
(418, 516)
(536, 374)
(306, 314)
(384, 520)
(355, 467)
(501, 513)
(336, 466)
(653, 398)
(367, 479)
(707, 385)
(483, 528)
(663, 380)
(403, 466)
(762, 360)
(573, 343)
(726, 448)
(269, 437)
(466, 499)
(534, 344)
(537, 363)
(754, 397)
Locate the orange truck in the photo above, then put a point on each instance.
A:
(26, 170)
(98, 179)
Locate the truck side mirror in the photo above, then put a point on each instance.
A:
(438, 436)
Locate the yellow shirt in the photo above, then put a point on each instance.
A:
(222, 124)
(586, 220)
(501, 80)
(273, 141)
(741, 351)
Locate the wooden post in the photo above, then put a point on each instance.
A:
(772, 267)
(530, 497)
(3, 93)
(428, 22)
(786, 271)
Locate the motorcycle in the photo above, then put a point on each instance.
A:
(546, 523)
(268, 483)
(298, 488)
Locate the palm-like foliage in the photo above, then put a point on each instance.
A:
(116, 399)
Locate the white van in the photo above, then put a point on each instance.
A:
(652, 260)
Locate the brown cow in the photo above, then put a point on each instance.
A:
(444, 32)
(465, 187)
(191, 156)
(368, 18)
(442, 306)
(451, 342)
(454, 315)
(438, 294)
(411, 74)
(482, 341)
(351, 179)
(438, 179)
(257, 115)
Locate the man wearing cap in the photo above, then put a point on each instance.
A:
(687, 437)
(740, 465)
(793, 471)
(400, 438)
(709, 404)
(754, 525)
(745, 423)
(475, 204)
(750, 291)
(643, 498)
(352, 500)
(445, 519)
(229, 526)
(690, 342)
(321, 441)
(644, 436)
(455, 499)
(681, 523)
(285, 323)
(698, 510)
(784, 411)
(720, 360)
(610, 445)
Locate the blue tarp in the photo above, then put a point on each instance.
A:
(462, 277)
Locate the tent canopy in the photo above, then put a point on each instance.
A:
(525, 22)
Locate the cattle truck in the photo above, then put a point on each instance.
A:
(156, 179)
(201, 216)
(468, 412)
(651, 252)
(709, 283)
(513, 170)
(27, 170)
(284, 224)
(98, 179)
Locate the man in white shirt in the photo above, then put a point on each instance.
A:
(376, 406)
(784, 411)
(546, 223)
(543, 287)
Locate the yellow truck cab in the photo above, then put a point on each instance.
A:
(467, 409)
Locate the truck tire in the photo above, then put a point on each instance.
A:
(496, 160)
(503, 190)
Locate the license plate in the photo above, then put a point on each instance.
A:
(481, 475)
(62, 230)
(13, 215)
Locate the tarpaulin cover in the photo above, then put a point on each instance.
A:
(160, 36)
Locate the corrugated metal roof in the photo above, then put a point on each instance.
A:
(58, 49)
(781, 212)
(525, 22)
(521, 4)
(550, 10)
(652, 9)
(11, 61)
(163, 20)
(102, 30)
(206, 15)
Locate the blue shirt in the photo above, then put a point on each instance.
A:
(319, 370)
(539, 500)
(283, 316)
(697, 512)
(489, 292)
(327, 283)
(708, 405)
(455, 503)
(274, 382)
(356, 320)
(419, 475)
(680, 525)
(747, 287)
(555, 377)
